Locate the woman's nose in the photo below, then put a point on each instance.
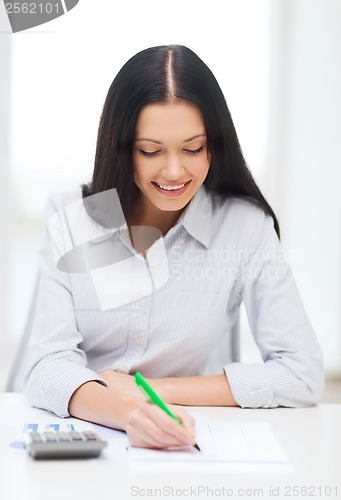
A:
(173, 168)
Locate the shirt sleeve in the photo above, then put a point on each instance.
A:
(57, 365)
(292, 374)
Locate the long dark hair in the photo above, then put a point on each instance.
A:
(161, 74)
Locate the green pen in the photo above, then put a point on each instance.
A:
(142, 384)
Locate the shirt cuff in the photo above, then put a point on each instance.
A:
(250, 385)
(58, 391)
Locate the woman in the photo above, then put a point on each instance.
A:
(145, 269)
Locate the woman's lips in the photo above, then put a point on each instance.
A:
(173, 193)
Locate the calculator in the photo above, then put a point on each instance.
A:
(58, 444)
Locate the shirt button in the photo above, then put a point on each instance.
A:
(138, 341)
(142, 302)
(182, 241)
(153, 263)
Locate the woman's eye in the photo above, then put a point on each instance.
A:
(194, 151)
(149, 153)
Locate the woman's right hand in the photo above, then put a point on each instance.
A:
(150, 427)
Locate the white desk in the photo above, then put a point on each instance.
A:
(311, 437)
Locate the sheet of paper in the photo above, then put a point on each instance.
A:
(221, 441)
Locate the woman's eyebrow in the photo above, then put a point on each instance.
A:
(195, 137)
(159, 142)
(148, 140)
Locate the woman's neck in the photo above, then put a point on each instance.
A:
(144, 213)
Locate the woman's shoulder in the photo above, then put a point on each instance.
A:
(239, 220)
(228, 207)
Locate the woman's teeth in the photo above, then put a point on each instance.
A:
(170, 188)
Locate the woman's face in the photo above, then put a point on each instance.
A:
(170, 154)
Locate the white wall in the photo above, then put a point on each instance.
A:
(5, 209)
(304, 164)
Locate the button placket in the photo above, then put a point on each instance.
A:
(138, 336)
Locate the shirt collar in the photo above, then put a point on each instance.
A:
(197, 217)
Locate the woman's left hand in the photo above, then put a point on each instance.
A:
(122, 382)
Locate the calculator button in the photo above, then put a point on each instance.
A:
(50, 436)
(35, 437)
(63, 436)
(90, 436)
(75, 436)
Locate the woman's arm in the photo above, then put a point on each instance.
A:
(122, 406)
(205, 390)
(96, 403)
(146, 424)
(292, 373)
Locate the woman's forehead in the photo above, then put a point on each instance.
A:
(157, 121)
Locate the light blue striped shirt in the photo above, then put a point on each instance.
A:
(164, 315)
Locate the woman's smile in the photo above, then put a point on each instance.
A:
(171, 190)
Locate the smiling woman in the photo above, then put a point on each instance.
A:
(168, 159)
(170, 168)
